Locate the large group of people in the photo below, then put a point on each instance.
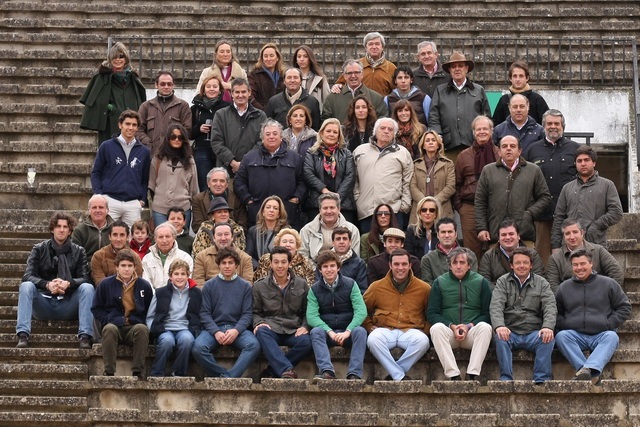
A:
(388, 210)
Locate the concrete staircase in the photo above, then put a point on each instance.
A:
(49, 51)
(54, 383)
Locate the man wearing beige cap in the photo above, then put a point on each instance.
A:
(454, 105)
(378, 266)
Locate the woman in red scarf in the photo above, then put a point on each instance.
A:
(328, 168)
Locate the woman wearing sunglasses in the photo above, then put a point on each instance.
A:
(433, 175)
(371, 242)
(173, 178)
(422, 236)
(114, 88)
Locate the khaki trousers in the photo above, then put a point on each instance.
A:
(477, 340)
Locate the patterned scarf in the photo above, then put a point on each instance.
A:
(405, 136)
(373, 63)
(329, 161)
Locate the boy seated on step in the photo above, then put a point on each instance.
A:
(174, 319)
(120, 305)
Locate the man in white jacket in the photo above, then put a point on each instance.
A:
(155, 264)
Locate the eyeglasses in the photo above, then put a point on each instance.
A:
(383, 213)
(169, 84)
(430, 210)
(352, 73)
(120, 56)
(174, 137)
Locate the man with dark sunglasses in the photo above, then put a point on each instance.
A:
(158, 113)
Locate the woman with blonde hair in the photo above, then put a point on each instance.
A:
(422, 236)
(433, 174)
(301, 266)
(409, 127)
(225, 68)
(271, 218)
(313, 79)
(205, 104)
(267, 78)
(114, 88)
(329, 168)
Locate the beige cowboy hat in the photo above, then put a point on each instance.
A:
(458, 56)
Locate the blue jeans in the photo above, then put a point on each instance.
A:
(206, 344)
(531, 342)
(414, 342)
(270, 342)
(76, 307)
(602, 346)
(357, 342)
(205, 161)
(159, 218)
(166, 342)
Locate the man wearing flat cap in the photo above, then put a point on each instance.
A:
(219, 212)
(378, 266)
(456, 104)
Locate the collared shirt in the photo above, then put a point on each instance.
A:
(461, 86)
(241, 112)
(353, 91)
(522, 283)
(513, 167)
(126, 146)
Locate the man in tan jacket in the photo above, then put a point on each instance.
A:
(205, 265)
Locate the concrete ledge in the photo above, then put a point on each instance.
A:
(293, 418)
(354, 419)
(535, 420)
(45, 417)
(476, 420)
(114, 415)
(413, 419)
(174, 417)
(46, 403)
(234, 418)
(590, 420)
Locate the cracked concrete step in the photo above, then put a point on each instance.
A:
(42, 340)
(44, 371)
(53, 404)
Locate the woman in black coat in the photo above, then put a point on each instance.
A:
(205, 105)
(114, 88)
(329, 168)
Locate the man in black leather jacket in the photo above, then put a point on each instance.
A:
(56, 284)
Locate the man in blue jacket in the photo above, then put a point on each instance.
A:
(121, 171)
(120, 305)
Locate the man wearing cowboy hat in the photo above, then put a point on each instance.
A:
(456, 104)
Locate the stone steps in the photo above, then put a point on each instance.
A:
(49, 371)
(297, 402)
